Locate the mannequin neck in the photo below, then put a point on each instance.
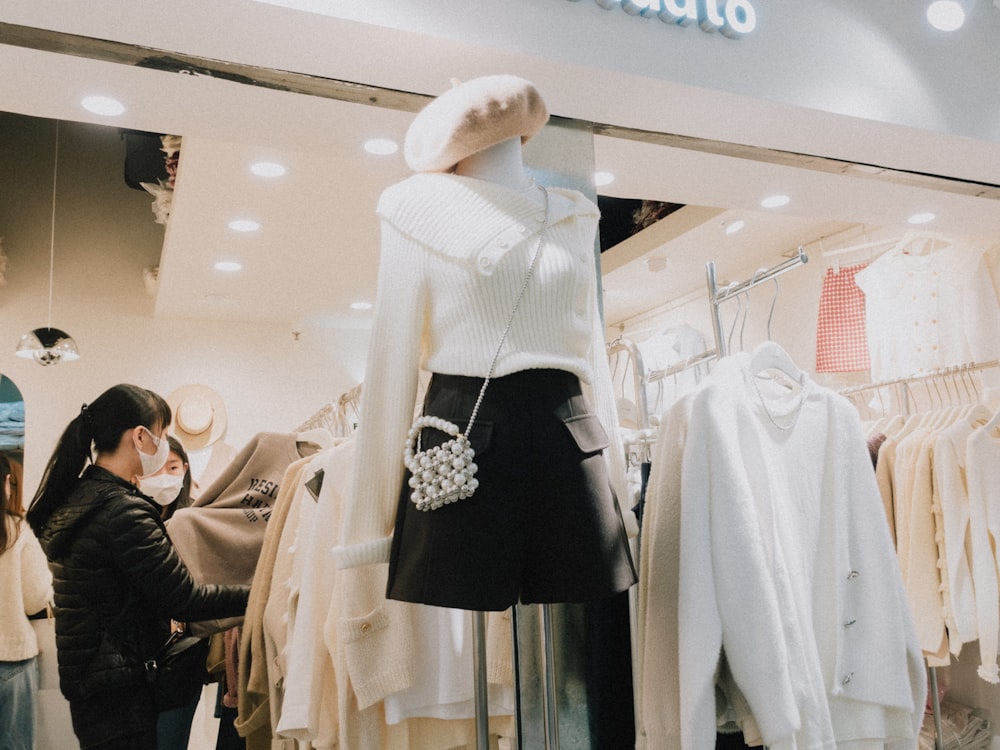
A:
(502, 164)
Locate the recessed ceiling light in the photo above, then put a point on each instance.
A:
(361, 305)
(922, 218)
(228, 266)
(603, 178)
(244, 225)
(103, 105)
(381, 146)
(734, 226)
(946, 15)
(775, 201)
(268, 169)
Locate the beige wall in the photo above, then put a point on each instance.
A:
(105, 237)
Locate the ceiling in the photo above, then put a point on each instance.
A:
(317, 249)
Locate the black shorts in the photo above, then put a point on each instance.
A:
(543, 525)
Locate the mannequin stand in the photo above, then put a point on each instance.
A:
(550, 704)
(480, 681)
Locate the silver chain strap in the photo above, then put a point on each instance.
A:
(510, 321)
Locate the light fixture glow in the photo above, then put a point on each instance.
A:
(48, 345)
(360, 305)
(381, 146)
(946, 15)
(228, 266)
(103, 105)
(603, 178)
(922, 218)
(268, 169)
(775, 201)
(734, 226)
(244, 225)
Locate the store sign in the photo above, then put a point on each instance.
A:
(732, 18)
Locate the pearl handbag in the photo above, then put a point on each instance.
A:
(447, 473)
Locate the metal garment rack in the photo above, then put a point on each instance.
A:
(946, 372)
(717, 296)
(639, 380)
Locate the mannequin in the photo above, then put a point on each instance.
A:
(458, 242)
(502, 164)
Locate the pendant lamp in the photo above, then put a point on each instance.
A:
(48, 345)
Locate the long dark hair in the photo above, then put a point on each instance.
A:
(99, 424)
(8, 513)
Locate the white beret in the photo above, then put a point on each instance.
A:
(470, 117)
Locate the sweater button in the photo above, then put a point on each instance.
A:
(485, 262)
(366, 627)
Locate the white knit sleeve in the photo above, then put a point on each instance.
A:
(36, 585)
(388, 401)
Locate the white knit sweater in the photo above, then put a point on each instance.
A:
(771, 544)
(455, 252)
(25, 588)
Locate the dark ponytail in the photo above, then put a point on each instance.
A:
(101, 425)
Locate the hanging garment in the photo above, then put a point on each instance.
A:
(220, 536)
(841, 336)
(926, 312)
(258, 675)
(782, 558)
(983, 473)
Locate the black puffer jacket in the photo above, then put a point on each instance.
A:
(117, 582)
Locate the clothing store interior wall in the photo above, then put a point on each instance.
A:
(279, 339)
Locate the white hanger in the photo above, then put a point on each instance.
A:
(317, 436)
(770, 356)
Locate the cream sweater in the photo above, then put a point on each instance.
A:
(25, 588)
(455, 251)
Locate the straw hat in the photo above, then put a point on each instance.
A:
(199, 416)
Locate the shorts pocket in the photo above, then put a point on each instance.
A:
(587, 432)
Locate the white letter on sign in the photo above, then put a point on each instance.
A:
(741, 18)
(681, 12)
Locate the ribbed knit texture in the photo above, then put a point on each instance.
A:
(25, 588)
(455, 252)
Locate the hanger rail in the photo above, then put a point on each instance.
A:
(717, 295)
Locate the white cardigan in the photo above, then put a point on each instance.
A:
(455, 252)
(771, 544)
(25, 588)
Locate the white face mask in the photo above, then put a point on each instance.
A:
(152, 464)
(163, 488)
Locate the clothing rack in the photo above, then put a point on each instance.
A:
(944, 372)
(716, 295)
(333, 416)
(639, 381)
(675, 369)
(639, 378)
(951, 371)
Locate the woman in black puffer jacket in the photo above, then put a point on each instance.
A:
(117, 579)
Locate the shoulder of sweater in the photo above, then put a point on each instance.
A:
(425, 201)
(430, 186)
